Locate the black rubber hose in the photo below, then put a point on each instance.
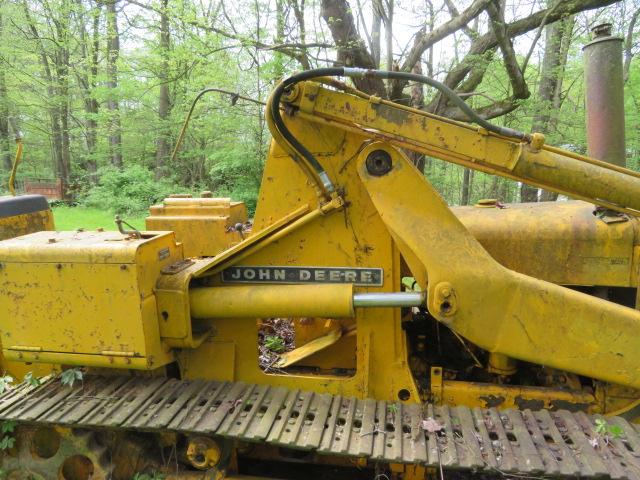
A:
(453, 96)
(286, 133)
(362, 72)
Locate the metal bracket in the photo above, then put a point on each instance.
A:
(134, 232)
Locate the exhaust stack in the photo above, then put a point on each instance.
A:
(604, 92)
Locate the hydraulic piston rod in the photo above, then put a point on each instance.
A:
(399, 299)
(259, 301)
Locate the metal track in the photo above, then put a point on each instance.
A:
(538, 443)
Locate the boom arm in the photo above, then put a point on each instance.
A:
(496, 308)
(525, 159)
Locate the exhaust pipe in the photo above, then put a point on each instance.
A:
(604, 96)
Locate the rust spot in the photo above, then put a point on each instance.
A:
(492, 401)
(567, 405)
(397, 116)
(530, 403)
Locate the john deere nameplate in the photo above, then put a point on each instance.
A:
(268, 274)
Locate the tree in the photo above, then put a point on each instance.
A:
(54, 60)
(5, 144)
(96, 81)
(87, 75)
(113, 104)
(164, 100)
(558, 40)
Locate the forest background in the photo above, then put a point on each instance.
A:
(100, 88)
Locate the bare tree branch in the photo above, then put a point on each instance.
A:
(352, 50)
(443, 31)
(628, 44)
(517, 28)
(496, 109)
(469, 31)
(295, 50)
(518, 83)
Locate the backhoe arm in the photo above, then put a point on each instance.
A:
(497, 309)
(526, 160)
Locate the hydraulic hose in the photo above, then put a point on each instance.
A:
(234, 98)
(280, 90)
(453, 96)
(299, 152)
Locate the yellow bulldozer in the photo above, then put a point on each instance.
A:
(429, 341)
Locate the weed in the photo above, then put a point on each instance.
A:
(274, 343)
(148, 476)
(70, 376)
(31, 380)
(8, 441)
(606, 429)
(5, 383)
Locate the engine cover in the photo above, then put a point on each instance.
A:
(84, 298)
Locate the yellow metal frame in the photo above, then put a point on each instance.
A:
(92, 302)
(394, 221)
(534, 163)
(16, 162)
(204, 226)
(495, 308)
(17, 225)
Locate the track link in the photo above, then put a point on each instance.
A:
(542, 443)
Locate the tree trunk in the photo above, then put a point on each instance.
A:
(388, 34)
(299, 12)
(351, 49)
(87, 81)
(467, 178)
(417, 101)
(557, 40)
(376, 27)
(164, 101)
(431, 25)
(113, 104)
(54, 65)
(628, 45)
(93, 106)
(62, 80)
(5, 141)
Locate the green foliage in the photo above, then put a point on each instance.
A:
(274, 343)
(73, 218)
(225, 145)
(5, 383)
(607, 430)
(6, 429)
(7, 442)
(69, 377)
(8, 426)
(128, 191)
(148, 476)
(31, 380)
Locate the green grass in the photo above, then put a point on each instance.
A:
(72, 218)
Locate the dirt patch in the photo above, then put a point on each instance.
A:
(275, 337)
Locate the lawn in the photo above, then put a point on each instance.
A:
(72, 218)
